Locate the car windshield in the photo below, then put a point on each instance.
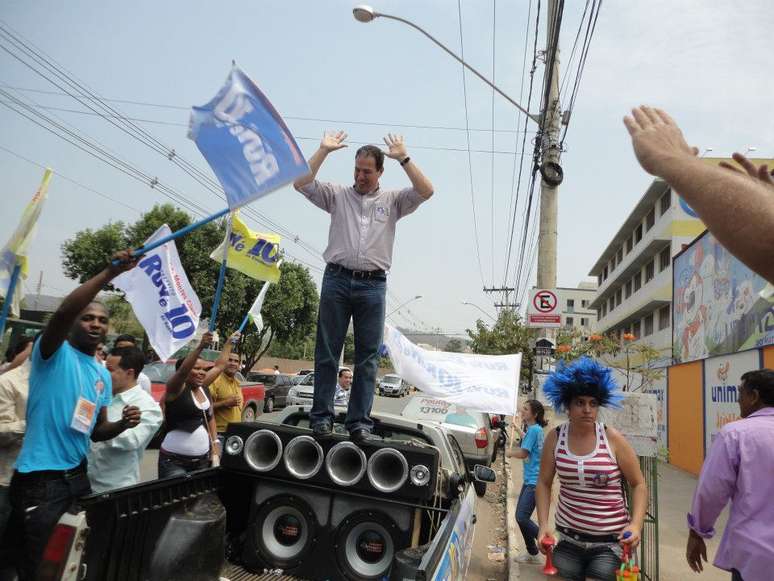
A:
(307, 379)
(266, 379)
(391, 379)
(159, 372)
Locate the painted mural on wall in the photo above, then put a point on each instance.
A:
(719, 305)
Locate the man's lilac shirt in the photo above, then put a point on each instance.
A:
(740, 468)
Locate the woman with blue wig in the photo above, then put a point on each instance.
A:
(592, 461)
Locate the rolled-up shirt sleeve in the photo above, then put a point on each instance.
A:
(717, 484)
(407, 200)
(321, 194)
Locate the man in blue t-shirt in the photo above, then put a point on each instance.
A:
(68, 394)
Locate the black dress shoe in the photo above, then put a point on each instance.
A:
(361, 436)
(321, 430)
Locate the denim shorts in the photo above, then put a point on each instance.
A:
(577, 560)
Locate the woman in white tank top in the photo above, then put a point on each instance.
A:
(592, 462)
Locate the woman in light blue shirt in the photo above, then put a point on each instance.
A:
(533, 417)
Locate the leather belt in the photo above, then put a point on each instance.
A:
(361, 274)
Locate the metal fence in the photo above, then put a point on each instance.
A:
(648, 549)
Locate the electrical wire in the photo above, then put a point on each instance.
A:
(467, 136)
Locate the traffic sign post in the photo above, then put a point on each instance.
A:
(543, 311)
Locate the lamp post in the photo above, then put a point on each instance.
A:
(480, 309)
(549, 122)
(403, 305)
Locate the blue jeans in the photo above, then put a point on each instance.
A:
(524, 509)
(576, 563)
(344, 297)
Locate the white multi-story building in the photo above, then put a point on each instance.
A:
(574, 303)
(634, 273)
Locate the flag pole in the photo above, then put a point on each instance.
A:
(244, 322)
(177, 234)
(221, 276)
(9, 298)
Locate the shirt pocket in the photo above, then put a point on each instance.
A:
(381, 213)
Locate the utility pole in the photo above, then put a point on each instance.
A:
(550, 168)
(39, 288)
(506, 290)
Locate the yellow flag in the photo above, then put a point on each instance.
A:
(15, 250)
(252, 253)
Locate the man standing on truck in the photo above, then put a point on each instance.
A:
(115, 463)
(359, 254)
(69, 392)
(226, 393)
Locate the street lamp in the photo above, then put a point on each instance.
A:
(479, 308)
(404, 303)
(364, 13)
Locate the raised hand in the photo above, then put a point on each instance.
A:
(121, 262)
(759, 173)
(206, 340)
(397, 148)
(656, 138)
(333, 141)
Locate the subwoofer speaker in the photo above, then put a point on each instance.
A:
(366, 535)
(288, 525)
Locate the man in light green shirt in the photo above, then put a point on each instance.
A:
(116, 463)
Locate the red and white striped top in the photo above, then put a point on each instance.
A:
(590, 496)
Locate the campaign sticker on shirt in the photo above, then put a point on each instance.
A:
(99, 386)
(381, 213)
(83, 415)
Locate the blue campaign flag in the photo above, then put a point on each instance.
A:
(245, 141)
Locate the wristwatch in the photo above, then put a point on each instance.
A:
(405, 160)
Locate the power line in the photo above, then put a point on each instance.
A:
(467, 136)
(291, 117)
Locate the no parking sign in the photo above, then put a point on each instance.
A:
(543, 310)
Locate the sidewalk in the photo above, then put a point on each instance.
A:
(675, 490)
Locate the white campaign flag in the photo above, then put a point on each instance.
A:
(254, 314)
(161, 297)
(486, 383)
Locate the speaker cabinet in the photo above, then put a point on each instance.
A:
(387, 469)
(286, 529)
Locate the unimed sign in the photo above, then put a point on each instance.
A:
(722, 376)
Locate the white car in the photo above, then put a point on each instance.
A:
(303, 392)
(393, 385)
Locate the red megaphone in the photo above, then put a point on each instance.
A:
(548, 544)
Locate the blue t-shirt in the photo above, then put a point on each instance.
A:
(56, 384)
(532, 443)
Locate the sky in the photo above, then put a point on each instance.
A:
(704, 61)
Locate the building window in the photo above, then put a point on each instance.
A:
(584, 303)
(650, 219)
(650, 271)
(618, 297)
(636, 329)
(603, 310)
(629, 245)
(611, 304)
(619, 256)
(638, 234)
(665, 202)
(648, 324)
(570, 305)
(604, 274)
(599, 280)
(584, 322)
(568, 322)
(637, 281)
(665, 259)
(664, 319)
(628, 289)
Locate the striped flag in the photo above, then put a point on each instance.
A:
(15, 251)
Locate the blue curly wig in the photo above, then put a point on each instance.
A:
(584, 376)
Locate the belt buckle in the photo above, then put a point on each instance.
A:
(360, 274)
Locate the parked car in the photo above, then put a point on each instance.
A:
(303, 392)
(393, 385)
(472, 430)
(304, 372)
(252, 391)
(192, 526)
(276, 387)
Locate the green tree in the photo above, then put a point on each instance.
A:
(454, 346)
(122, 318)
(290, 305)
(508, 335)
